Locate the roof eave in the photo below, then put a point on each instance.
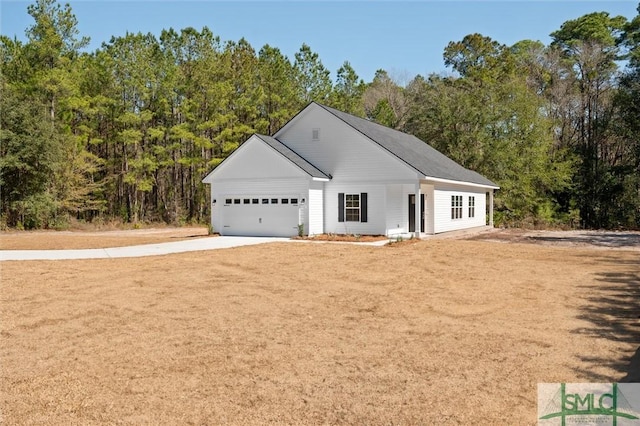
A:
(457, 182)
(321, 178)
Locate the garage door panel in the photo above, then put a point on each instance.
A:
(263, 218)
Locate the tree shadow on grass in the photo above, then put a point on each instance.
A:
(613, 312)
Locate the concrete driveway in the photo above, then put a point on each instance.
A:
(210, 243)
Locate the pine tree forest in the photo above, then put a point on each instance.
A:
(127, 132)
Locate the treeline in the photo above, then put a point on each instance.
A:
(128, 131)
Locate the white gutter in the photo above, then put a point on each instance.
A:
(456, 182)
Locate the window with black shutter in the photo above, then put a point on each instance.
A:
(352, 207)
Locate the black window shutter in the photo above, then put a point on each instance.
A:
(341, 207)
(363, 207)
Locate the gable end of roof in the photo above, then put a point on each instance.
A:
(293, 157)
(416, 153)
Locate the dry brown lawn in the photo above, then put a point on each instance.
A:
(433, 332)
(58, 240)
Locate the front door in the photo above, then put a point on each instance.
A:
(412, 212)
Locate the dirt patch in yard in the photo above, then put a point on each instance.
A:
(435, 332)
(58, 240)
(345, 238)
(628, 240)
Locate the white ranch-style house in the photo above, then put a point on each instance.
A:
(326, 171)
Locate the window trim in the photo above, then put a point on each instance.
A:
(351, 211)
(472, 206)
(456, 207)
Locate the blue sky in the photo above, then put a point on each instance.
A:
(404, 38)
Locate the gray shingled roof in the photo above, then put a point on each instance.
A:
(309, 168)
(416, 153)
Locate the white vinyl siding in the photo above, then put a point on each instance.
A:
(256, 159)
(316, 209)
(442, 207)
(257, 171)
(397, 218)
(342, 151)
(456, 207)
(427, 191)
(429, 206)
(357, 165)
(376, 219)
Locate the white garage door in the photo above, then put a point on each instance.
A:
(273, 216)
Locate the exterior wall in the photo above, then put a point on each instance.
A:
(253, 171)
(256, 188)
(388, 208)
(429, 207)
(442, 207)
(376, 216)
(401, 211)
(397, 220)
(356, 165)
(387, 205)
(341, 151)
(256, 159)
(314, 224)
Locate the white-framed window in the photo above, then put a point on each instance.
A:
(472, 206)
(352, 207)
(456, 207)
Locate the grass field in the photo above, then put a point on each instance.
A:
(59, 240)
(433, 332)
